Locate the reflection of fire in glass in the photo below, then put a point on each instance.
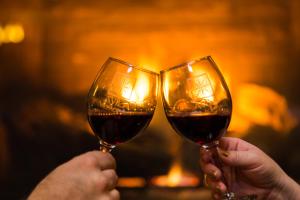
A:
(176, 178)
(126, 88)
(122, 84)
(135, 91)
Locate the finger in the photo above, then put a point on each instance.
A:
(238, 158)
(106, 160)
(216, 186)
(111, 195)
(205, 155)
(111, 178)
(101, 159)
(231, 143)
(114, 194)
(211, 170)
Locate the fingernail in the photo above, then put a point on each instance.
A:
(213, 175)
(205, 180)
(223, 152)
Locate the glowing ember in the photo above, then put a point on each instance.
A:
(175, 178)
(131, 182)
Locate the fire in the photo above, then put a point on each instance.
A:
(175, 178)
(166, 88)
(138, 91)
(11, 33)
(131, 182)
(260, 105)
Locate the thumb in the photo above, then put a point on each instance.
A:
(238, 158)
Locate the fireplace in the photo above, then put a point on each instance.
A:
(50, 52)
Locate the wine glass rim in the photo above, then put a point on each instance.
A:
(133, 66)
(186, 63)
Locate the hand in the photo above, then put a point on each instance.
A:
(88, 176)
(247, 170)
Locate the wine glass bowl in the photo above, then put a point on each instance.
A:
(197, 101)
(121, 102)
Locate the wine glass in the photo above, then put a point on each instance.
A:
(121, 102)
(198, 105)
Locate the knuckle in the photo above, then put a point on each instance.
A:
(111, 159)
(108, 158)
(90, 160)
(100, 182)
(115, 195)
(112, 174)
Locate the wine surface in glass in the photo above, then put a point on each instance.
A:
(202, 129)
(115, 128)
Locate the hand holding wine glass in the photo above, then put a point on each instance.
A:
(121, 102)
(249, 170)
(88, 176)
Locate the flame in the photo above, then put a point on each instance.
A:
(175, 175)
(127, 90)
(175, 178)
(136, 93)
(13, 33)
(166, 87)
(260, 105)
(141, 90)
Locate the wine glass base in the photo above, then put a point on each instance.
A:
(232, 196)
(229, 196)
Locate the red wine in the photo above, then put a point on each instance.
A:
(115, 128)
(201, 129)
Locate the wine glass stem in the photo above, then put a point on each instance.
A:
(212, 149)
(105, 147)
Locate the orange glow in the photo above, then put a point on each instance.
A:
(2, 35)
(252, 104)
(131, 182)
(139, 91)
(175, 178)
(166, 88)
(259, 105)
(149, 64)
(11, 33)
